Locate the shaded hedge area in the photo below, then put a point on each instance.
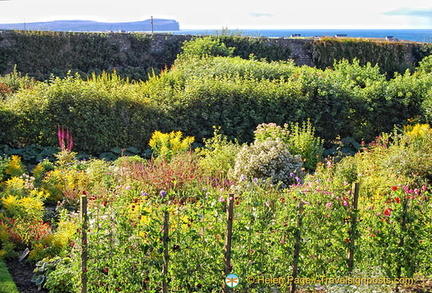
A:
(42, 53)
(259, 48)
(390, 56)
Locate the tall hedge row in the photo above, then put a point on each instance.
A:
(106, 111)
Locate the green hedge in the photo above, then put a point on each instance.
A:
(102, 113)
(106, 111)
(389, 55)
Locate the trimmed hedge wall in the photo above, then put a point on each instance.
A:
(42, 53)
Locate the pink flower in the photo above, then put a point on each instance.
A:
(345, 203)
(329, 204)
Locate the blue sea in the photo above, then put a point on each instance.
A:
(415, 35)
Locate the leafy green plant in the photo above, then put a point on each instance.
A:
(46, 276)
(300, 140)
(218, 155)
(204, 47)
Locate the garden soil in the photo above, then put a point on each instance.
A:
(22, 273)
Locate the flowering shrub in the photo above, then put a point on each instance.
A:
(269, 159)
(167, 145)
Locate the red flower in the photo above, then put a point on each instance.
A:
(394, 188)
(397, 200)
(388, 211)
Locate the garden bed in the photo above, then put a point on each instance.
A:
(22, 273)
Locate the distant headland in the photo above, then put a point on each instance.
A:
(156, 24)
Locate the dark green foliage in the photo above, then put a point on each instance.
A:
(390, 56)
(42, 53)
(101, 113)
(257, 47)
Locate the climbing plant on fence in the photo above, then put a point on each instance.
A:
(128, 250)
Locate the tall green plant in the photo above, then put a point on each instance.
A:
(299, 138)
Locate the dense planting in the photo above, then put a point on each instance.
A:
(158, 221)
(132, 200)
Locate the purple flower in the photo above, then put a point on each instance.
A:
(128, 187)
(144, 193)
(163, 193)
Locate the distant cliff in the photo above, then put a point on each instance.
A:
(94, 26)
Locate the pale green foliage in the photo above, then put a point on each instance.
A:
(268, 159)
(167, 145)
(218, 155)
(299, 138)
(205, 47)
(352, 73)
(425, 66)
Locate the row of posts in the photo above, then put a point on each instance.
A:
(228, 241)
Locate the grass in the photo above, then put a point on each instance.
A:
(7, 285)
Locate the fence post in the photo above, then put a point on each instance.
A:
(228, 237)
(401, 243)
(166, 251)
(353, 233)
(84, 243)
(297, 246)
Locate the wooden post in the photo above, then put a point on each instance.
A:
(353, 233)
(84, 243)
(402, 240)
(228, 237)
(297, 246)
(166, 252)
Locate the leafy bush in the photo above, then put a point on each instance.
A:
(101, 113)
(218, 155)
(300, 140)
(204, 47)
(268, 159)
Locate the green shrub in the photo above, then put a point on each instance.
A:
(204, 47)
(218, 155)
(300, 140)
(101, 113)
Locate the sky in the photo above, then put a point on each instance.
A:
(231, 14)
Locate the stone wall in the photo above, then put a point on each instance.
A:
(135, 54)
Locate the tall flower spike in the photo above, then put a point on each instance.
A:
(65, 139)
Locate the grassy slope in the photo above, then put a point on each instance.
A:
(7, 285)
